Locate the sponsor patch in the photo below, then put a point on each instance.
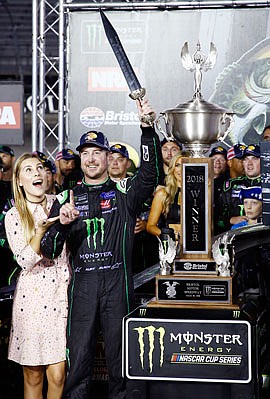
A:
(105, 204)
(108, 195)
(145, 153)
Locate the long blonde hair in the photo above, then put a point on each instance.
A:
(26, 217)
(171, 184)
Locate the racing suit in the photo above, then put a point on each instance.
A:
(100, 242)
(229, 200)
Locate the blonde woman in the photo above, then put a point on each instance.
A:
(39, 315)
(165, 208)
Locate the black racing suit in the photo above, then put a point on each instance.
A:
(229, 200)
(100, 242)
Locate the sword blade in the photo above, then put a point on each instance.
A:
(120, 54)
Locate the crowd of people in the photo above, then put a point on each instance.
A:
(77, 229)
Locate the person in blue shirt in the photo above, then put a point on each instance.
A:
(251, 197)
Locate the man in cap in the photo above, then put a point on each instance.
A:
(218, 155)
(9, 266)
(2, 197)
(266, 133)
(169, 149)
(7, 160)
(97, 220)
(7, 156)
(235, 160)
(232, 210)
(68, 173)
(118, 162)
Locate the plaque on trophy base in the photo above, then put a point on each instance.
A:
(194, 289)
(195, 266)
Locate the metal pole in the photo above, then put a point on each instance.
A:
(34, 74)
(167, 5)
(41, 107)
(61, 130)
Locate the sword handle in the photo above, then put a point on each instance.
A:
(138, 94)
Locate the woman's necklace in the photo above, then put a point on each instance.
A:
(36, 202)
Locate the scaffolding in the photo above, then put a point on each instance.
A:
(50, 22)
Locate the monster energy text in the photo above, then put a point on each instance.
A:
(207, 339)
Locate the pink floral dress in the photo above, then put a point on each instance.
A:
(39, 315)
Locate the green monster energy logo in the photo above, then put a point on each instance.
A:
(95, 222)
(2, 242)
(165, 246)
(241, 209)
(151, 338)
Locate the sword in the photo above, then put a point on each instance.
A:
(137, 92)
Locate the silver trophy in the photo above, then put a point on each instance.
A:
(166, 256)
(196, 124)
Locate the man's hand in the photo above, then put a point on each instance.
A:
(146, 112)
(68, 212)
(238, 219)
(140, 225)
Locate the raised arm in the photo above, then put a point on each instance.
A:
(142, 185)
(155, 213)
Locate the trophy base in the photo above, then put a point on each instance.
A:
(194, 290)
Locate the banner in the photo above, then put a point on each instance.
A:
(188, 350)
(239, 81)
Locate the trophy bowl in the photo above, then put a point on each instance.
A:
(196, 125)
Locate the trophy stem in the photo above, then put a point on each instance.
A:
(197, 150)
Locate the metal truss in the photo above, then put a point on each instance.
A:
(48, 76)
(49, 24)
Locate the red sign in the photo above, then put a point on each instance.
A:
(10, 115)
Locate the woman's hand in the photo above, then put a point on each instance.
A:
(44, 224)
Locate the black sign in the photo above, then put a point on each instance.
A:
(195, 207)
(193, 290)
(191, 266)
(188, 350)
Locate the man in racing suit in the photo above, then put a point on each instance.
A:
(97, 221)
(232, 210)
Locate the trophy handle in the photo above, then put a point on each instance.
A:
(164, 117)
(223, 121)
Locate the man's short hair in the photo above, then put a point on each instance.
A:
(165, 141)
